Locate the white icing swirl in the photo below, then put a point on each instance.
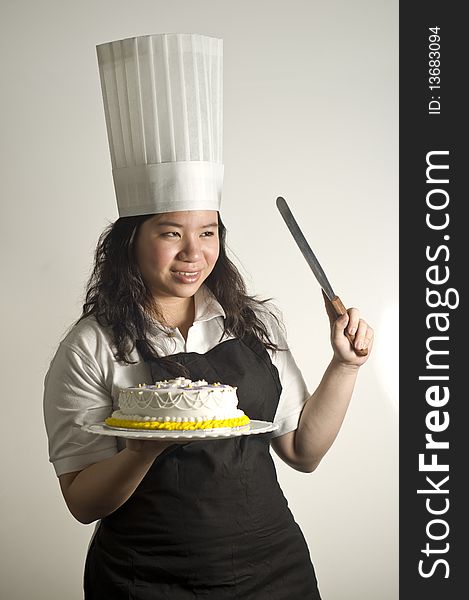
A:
(179, 398)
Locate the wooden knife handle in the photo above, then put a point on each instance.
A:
(339, 310)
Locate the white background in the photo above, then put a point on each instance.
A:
(310, 113)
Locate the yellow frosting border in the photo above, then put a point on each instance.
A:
(174, 426)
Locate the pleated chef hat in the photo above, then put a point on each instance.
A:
(163, 99)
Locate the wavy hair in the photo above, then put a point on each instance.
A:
(117, 296)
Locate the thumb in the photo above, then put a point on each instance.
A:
(341, 323)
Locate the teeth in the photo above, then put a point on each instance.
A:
(185, 273)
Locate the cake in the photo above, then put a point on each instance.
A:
(178, 404)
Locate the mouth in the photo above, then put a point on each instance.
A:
(187, 272)
(186, 276)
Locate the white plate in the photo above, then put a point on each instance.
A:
(254, 427)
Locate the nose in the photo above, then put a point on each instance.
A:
(190, 251)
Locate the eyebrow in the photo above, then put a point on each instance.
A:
(174, 224)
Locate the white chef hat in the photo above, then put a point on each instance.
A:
(163, 103)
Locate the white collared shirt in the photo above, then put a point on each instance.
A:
(83, 382)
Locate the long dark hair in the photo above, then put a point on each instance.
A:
(117, 296)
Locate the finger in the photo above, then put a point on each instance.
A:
(340, 335)
(364, 336)
(340, 323)
(369, 337)
(354, 321)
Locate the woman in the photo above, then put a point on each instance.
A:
(224, 528)
(205, 518)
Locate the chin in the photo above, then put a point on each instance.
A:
(186, 290)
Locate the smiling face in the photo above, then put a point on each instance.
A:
(177, 251)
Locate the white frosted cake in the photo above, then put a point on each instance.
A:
(178, 404)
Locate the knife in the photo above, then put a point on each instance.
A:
(334, 300)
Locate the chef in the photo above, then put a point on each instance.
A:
(205, 518)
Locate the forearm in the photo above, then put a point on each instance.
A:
(324, 413)
(103, 487)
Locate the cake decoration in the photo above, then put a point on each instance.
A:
(178, 404)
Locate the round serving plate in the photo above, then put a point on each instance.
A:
(253, 428)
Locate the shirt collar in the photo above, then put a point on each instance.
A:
(206, 306)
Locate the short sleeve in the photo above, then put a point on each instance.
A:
(294, 389)
(75, 395)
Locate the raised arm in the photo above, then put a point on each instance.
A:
(325, 409)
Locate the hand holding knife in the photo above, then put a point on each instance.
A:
(335, 302)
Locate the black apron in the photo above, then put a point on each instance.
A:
(208, 520)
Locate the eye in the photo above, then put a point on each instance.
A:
(170, 234)
(208, 234)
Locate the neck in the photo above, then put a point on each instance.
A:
(177, 312)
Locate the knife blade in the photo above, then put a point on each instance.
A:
(334, 300)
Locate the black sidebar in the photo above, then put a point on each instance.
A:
(434, 320)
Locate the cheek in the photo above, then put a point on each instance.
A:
(212, 253)
(153, 255)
